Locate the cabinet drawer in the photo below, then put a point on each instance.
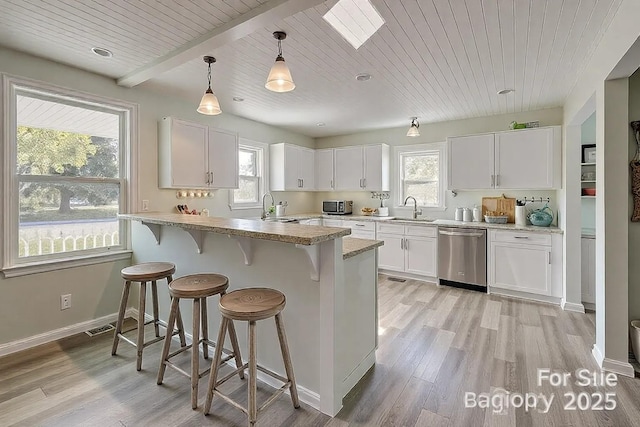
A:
(363, 234)
(360, 225)
(522, 237)
(424, 231)
(332, 222)
(384, 227)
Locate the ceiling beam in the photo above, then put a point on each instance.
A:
(262, 16)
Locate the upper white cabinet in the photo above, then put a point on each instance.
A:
(191, 155)
(519, 159)
(324, 170)
(362, 168)
(292, 167)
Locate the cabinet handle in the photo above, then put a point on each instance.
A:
(301, 183)
(402, 244)
(498, 180)
(364, 182)
(549, 257)
(520, 237)
(206, 177)
(406, 244)
(331, 183)
(212, 180)
(492, 180)
(359, 225)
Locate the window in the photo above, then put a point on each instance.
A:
(421, 174)
(251, 179)
(66, 175)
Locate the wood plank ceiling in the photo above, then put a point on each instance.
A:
(435, 59)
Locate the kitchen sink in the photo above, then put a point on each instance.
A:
(413, 220)
(290, 220)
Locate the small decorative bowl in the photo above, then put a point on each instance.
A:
(502, 219)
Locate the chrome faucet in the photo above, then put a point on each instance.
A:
(264, 211)
(416, 212)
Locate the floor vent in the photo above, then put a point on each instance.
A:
(397, 279)
(100, 330)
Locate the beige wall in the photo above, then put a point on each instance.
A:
(30, 305)
(438, 132)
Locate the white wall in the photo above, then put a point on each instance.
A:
(588, 136)
(30, 304)
(634, 227)
(438, 132)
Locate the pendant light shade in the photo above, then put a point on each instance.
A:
(413, 129)
(279, 79)
(209, 104)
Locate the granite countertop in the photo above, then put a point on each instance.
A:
(352, 246)
(256, 229)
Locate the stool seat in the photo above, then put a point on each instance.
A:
(198, 285)
(148, 271)
(252, 304)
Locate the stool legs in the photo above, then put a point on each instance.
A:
(141, 311)
(235, 347)
(156, 318)
(253, 372)
(286, 357)
(205, 328)
(167, 341)
(195, 356)
(215, 365)
(123, 307)
(183, 341)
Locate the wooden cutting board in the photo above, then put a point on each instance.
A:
(500, 204)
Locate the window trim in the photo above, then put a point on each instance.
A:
(400, 151)
(12, 265)
(263, 167)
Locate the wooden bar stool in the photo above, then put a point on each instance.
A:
(198, 287)
(252, 304)
(143, 273)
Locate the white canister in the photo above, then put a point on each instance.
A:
(477, 214)
(521, 215)
(467, 215)
(459, 214)
(280, 209)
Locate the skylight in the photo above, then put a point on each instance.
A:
(355, 20)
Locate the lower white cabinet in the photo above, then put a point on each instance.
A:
(588, 262)
(410, 249)
(361, 229)
(332, 222)
(525, 262)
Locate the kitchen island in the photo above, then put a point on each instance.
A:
(330, 286)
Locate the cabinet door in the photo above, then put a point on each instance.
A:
(524, 268)
(188, 154)
(324, 170)
(588, 270)
(332, 222)
(471, 162)
(376, 167)
(223, 159)
(525, 159)
(306, 168)
(291, 162)
(421, 256)
(349, 164)
(391, 254)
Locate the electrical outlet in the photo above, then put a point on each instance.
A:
(65, 301)
(145, 205)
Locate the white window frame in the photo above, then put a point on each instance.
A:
(438, 147)
(263, 173)
(12, 264)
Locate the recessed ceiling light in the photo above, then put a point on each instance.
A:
(505, 91)
(363, 77)
(355, 20)
(321, 124)
(238, 99)
(105, 53)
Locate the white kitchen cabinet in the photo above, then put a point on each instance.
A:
(360, 168)
(361, 229)
(324, 169)
(524, 262)
(327, 222)
(588, 262)
(191, 155)
(410, 249)
(518, 159)
(471, 162)
(292, 168)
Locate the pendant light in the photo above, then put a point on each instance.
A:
(279, 79)
(209, 104)
(413, 129)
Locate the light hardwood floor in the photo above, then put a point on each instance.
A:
(436, 343)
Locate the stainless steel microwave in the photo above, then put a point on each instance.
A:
(337, 207)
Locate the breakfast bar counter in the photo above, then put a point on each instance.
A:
(330, 284)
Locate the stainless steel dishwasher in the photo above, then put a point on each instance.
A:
(462, 257)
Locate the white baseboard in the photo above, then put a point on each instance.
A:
(612, 365)
(56, 334)
(357, 374)
(411, 276)
(572, 306)
(524, 295)
(589, 306)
